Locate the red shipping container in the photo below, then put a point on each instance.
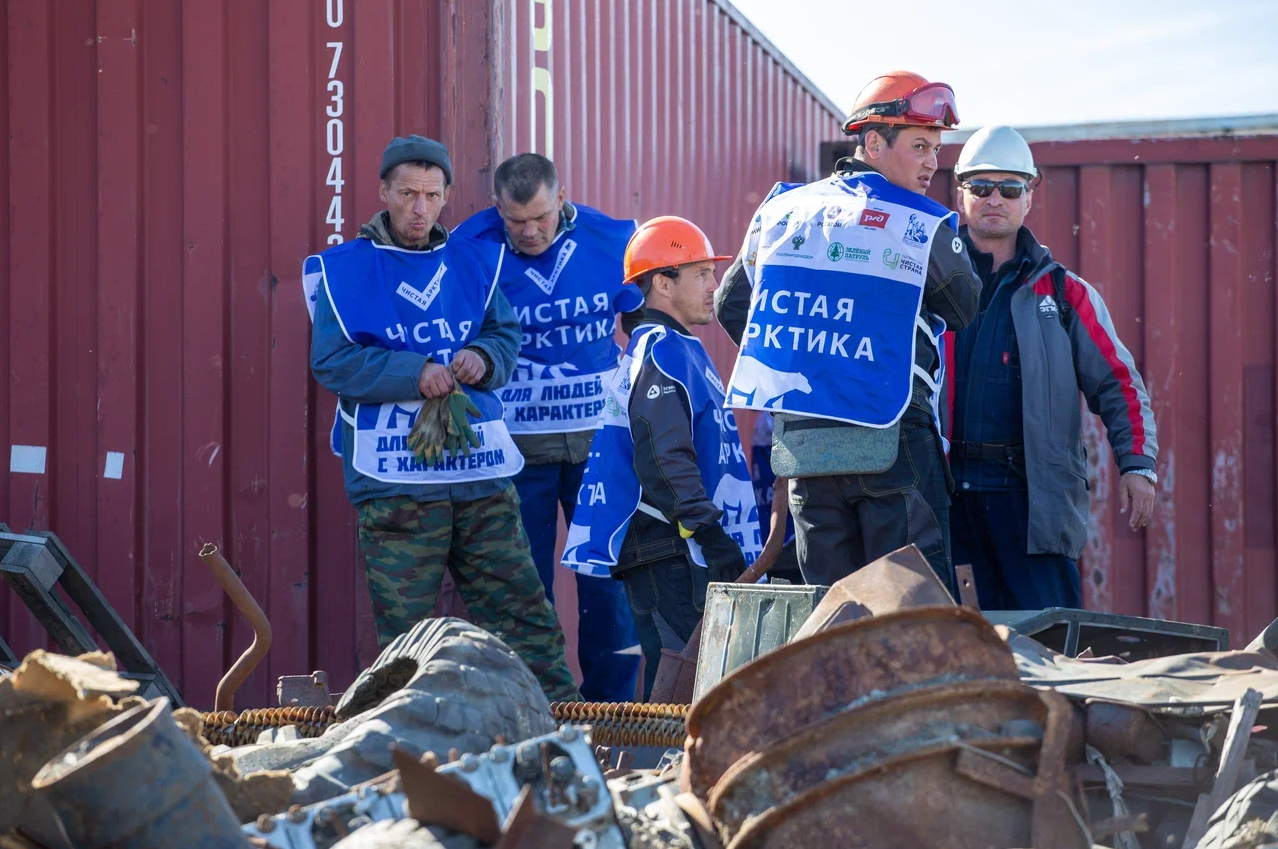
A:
(168, 165)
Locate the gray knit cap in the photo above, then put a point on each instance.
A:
(417, 149)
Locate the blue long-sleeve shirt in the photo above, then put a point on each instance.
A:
(362, 374)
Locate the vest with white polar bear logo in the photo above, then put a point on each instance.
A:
(837, 269)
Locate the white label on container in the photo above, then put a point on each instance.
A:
(27, 459)
(114, 465)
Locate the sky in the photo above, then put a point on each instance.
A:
(1034, 62)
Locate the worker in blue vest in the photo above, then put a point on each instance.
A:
(407, 316)
(563, 276)
(839, 299)
(666, 503)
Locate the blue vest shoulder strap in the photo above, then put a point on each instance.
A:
(615, 232)
(485, 225)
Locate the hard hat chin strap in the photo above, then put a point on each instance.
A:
(645, 284)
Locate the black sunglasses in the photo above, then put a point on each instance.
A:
(1010, 189)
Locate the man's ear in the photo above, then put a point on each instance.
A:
(383, 192)
(873, 143)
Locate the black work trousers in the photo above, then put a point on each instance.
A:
(666, 590)
(843, 522)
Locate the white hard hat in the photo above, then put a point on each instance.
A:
(997, 148)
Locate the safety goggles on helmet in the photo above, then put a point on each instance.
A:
(928, 105)
(1010, 189)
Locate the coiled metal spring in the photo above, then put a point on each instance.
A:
(228, 728)
(614, 723)
(664, 733)
(593, 711)
(627, 723)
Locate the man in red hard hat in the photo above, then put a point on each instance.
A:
(666, 504)
(839, 299)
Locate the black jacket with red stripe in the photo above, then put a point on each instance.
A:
(1066, 350)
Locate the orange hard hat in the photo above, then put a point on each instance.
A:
(903, 97)
(666, 242)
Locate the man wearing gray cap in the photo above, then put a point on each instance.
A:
(409, 323)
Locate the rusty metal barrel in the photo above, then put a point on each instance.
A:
(833, 671)
(999, 716)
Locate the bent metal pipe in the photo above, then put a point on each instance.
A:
(247, 605)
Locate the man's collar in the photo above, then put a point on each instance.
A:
(379, 231)
(655, 316)
(567, 221)
(1029, 254)
(851, 165)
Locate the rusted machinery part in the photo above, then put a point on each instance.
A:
(247, 605)
(944, 793)
(638, 731)
(585, 712)
(1003, 714)
(228, 728)
(1123, 732)
(832, 671)
(138, 781)
(915, 799)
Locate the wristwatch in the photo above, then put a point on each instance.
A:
(1144, 473)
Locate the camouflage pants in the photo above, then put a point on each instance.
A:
(407, 546)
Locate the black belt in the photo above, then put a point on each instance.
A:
(1012, 453)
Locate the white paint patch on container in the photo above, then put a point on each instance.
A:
(114, 468)
(27, 459)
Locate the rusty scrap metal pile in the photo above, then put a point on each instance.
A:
(881, 714)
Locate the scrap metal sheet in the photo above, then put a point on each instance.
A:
(1205, 680)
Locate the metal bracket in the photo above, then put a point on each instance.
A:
(34, 564)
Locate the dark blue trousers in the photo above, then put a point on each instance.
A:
(605, 624)
(990, 530)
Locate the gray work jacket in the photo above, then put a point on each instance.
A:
(1065, 351)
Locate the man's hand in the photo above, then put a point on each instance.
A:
(468, 366)
(776, 530)
(1138, 492)
(722, 554)
(435, 381)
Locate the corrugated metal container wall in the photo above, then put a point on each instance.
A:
(168, 166)
(1178, 235)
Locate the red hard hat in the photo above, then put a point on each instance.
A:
(666, 242)
(903, 98)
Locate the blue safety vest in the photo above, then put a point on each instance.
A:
(837, 269)
(567, 300)
(610, 492)
(431, 303)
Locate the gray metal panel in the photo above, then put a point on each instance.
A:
(1143, 637)
(744, 621)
